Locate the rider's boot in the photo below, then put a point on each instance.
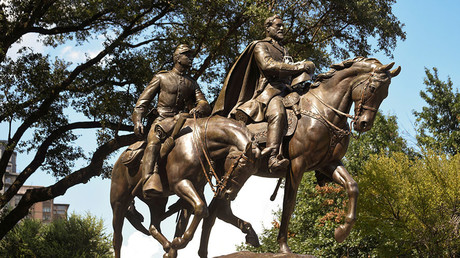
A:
(277, 123)
(152, 181)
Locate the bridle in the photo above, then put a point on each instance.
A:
(360, 106)
(221, 183)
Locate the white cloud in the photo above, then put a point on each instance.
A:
(75, 55)
(139, 245)
(28, 40)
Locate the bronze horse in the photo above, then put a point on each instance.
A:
(321, 139)
(226, 142)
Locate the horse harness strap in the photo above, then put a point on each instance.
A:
(336, 132)
(331, 107)
(361, 103)
(221, 184)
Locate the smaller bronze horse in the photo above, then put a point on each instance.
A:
(226, 142)
(321, 139)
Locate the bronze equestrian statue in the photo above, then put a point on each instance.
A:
(260, 91)
(183, 169)
(320, 138)
(255, 87)
(177, 94)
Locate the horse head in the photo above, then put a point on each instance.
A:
(239, 166)
(369, 89)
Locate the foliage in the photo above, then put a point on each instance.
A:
(122, 44)
(77, 236)
(439, 122)
(384, 138)
(319, 210)
(412, 206)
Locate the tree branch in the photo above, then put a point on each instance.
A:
(41, 154)
(239, 21)
(43, 108)
(33, 196)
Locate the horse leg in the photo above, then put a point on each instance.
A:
(118, 208)
(136, 219)
(225, 213)
(185, 190)
(208, 223)
(220, 208)
(157, 207)
(120, 198)
(181, 226)
(290, 194)
(341, 176)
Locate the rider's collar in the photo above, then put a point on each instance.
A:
(177, 71)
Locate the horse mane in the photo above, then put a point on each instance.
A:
(338, 67)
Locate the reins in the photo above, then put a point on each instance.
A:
(358, 110)
(221, 184)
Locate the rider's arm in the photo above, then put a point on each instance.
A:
(271, 67)
(201, 104)
(144, 101)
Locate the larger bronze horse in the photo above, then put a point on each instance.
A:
(321, 139)
(226, 142)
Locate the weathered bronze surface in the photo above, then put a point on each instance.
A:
(321, 139)
(220, 150)
(196, 146)
(177, 94)
(256, 85)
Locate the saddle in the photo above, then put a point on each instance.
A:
(259, 130)
(166, 130)
(132, 155)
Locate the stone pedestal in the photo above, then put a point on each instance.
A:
(246, 254)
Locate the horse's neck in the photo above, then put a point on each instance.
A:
(334, 92)
(225, 135)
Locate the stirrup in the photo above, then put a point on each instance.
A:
(152, 186)
(277, 164)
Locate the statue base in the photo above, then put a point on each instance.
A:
(247, 254)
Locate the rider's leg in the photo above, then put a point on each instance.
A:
(277, 122)
(152, 181)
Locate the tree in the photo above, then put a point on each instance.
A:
(76, 236)
(383, 138)
(439, 122)
(412, 206)
(45, 95)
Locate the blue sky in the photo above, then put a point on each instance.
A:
(432, 40)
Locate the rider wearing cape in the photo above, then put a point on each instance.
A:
(247, 91)
(241, 84)
(255, 87)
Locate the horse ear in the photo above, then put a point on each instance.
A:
(248, 151)
(395, 72)
(385, 68)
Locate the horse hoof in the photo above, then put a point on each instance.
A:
(178, 243)
(252, 239)
(202, 254)
(284, 249)
(172, 253)
(340, 233)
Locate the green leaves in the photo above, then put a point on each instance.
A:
(78, 236)
(439, 122)
(411, 204)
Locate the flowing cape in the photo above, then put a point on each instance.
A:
(240, 84)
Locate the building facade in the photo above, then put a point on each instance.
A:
(46, 211)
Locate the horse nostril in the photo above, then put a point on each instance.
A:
(363, 124)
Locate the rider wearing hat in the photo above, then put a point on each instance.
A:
(177, 93)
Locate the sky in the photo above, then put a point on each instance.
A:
(432, 40)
